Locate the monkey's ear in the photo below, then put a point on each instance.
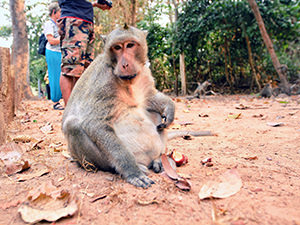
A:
(103, 38)
(145, 33)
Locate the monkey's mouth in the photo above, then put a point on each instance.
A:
(127, 77)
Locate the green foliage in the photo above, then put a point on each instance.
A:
(35, 28)
(212, 36)
(37, 70)
(158, 40)
(5, 32)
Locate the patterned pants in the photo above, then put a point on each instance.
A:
(77, 45)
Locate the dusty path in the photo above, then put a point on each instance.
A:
(267, 159)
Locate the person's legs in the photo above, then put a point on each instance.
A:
(66, 84)
(77, 54)
(53, 62)
(48, 91)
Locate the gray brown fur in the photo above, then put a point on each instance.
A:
(267, 91)
(110, 122)
(201, 89)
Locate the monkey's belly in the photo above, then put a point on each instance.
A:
(139, 135)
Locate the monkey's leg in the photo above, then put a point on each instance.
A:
(105, 151)
(82, 148)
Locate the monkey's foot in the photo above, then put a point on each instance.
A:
(140, 181)
(157, 166)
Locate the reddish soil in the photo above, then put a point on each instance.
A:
(267, 159)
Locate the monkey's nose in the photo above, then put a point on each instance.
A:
(125, 65)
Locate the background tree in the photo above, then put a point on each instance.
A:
(268, 42)
(213, 35)
(20, 52)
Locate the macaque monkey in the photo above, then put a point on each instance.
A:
(267, 90)
(115, 119)
(201, 89)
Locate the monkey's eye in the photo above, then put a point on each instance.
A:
(130, 45)
(117, 47)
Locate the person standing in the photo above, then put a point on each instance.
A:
(76, 28)
(53, 54)
(46, 79)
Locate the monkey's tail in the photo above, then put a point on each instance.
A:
(179, 133)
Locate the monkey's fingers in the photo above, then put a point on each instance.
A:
(140, 181)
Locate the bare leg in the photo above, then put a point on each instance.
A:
(66, 85)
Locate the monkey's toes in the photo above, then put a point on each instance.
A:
(157, 166)
(140, 181)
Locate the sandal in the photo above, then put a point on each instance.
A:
(58, 106)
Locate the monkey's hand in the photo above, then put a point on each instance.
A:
(164, 106)
(140, 181)
(162, 125)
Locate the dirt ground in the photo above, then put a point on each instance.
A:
(266, 157)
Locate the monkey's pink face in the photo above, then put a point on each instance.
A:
(126, 55)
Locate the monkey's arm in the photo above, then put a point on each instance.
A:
(164, 106)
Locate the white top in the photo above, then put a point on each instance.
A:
(50, 27)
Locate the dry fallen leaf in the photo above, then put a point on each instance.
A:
(234, 116)
(258, 116)
(205, 115)
(149, 202)
(36, 173)
(23, 139)
(47, 203)
(11, 156)
(180, 182)
(242, 107)
(251, 157)
(230, 183)
(47, 129)
(275, 124)
(57, 147)
(66, 154)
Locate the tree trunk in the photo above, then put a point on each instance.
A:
(7, 106)
(133, 12)
(173, 46)
(250, 58)
(182, 74)
(20, 53)
(268, 42)
(226, 69)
